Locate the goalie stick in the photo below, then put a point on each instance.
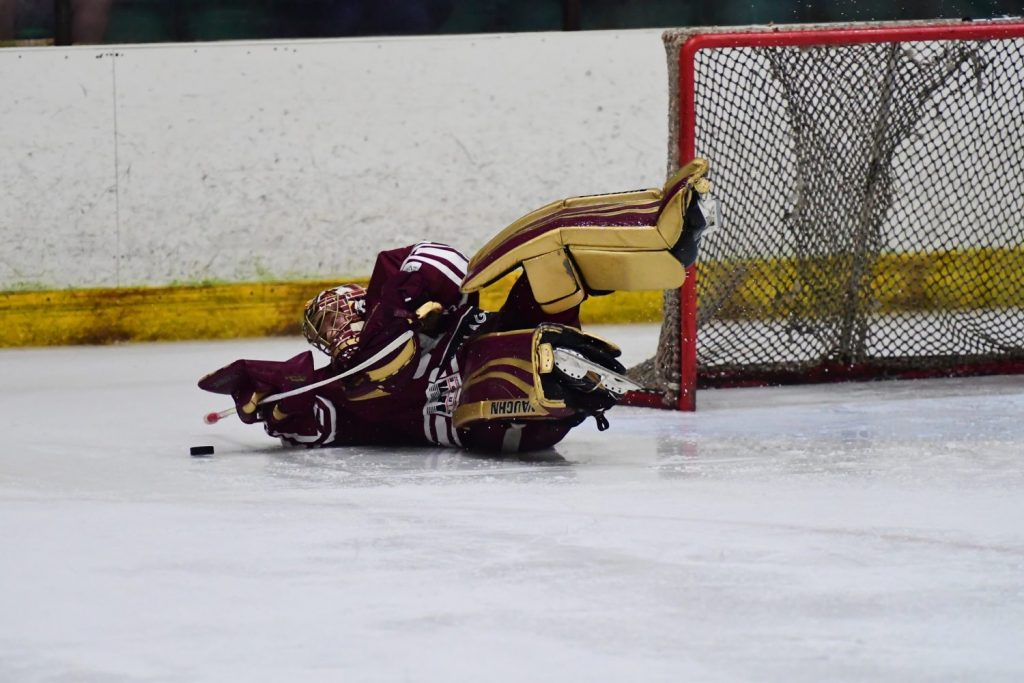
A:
(395, 344)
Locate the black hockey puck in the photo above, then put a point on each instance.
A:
(201, 450)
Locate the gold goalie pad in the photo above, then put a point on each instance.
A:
(501, 381)
(508, 376)
(604, 242)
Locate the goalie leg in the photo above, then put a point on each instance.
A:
(624, 241)
(525, 389)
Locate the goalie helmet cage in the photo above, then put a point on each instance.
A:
(872, 183)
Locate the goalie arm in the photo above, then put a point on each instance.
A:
(412, 289)
(297, 403)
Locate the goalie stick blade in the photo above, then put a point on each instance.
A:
(577, 367)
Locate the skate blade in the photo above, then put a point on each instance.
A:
(711, 207)
(577, 366)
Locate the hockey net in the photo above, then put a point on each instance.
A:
(872, 183)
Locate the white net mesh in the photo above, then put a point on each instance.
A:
(874, 205)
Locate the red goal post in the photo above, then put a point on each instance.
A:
(889, 172)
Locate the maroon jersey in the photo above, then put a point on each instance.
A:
(406, 396)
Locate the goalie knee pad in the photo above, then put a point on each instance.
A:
(622, 241)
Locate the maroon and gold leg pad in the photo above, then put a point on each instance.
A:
(511, 400)
(502, 406)
(608, 242)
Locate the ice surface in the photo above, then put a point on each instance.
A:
(843, 533)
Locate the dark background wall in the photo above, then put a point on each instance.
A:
(140, 21)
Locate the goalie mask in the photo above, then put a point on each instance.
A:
(333, 320)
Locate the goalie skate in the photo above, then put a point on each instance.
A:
(587, 376)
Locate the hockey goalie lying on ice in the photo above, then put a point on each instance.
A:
(415, 361)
